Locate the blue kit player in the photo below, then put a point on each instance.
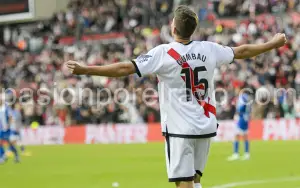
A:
(243, 110)
(6, 135)
(4, 129)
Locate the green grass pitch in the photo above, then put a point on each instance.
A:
(143, 166)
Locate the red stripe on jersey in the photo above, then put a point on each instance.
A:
(206, 106)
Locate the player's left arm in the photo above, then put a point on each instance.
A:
(112, 70)
(252, 50)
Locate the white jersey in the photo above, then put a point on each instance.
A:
(186, 88)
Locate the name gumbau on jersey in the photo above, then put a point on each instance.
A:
(191, 56)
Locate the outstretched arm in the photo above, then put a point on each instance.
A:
(252, 50)
(113, 70)
(144, 64)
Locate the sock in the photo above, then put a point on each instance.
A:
(197, 185)
(22, 147)
(2, 152)
(14, 150)
(236, 146)
(246, 146)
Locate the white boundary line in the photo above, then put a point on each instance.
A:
(254, 182)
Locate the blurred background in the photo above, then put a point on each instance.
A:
(37, 36)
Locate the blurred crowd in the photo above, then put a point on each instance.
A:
(44, 74)
(270, 75)
(40, 65)
(88, 17)
(250, 7)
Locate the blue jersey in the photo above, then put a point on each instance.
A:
(4, 122)
(4, 117)
(244, 111)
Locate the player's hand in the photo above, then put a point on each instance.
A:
(279, 40)
(75, 67)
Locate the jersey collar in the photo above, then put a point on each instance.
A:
(186, 43)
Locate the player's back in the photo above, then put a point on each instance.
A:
(185, 73)
(187, 82)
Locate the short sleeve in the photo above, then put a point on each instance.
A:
(149, 63)
(224, 54)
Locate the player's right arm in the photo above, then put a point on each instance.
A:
(252, 50)
(144, 64)
(112, 70)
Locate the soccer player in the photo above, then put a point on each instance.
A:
(9, 134)
(16, 122)
(2, 151)
(185, 70)
(4, 128)
(243, 110)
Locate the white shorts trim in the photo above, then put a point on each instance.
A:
(240, 131)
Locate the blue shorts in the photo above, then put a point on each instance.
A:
(242, 127)
(16, 133)
(242, 124)
(4, 135)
